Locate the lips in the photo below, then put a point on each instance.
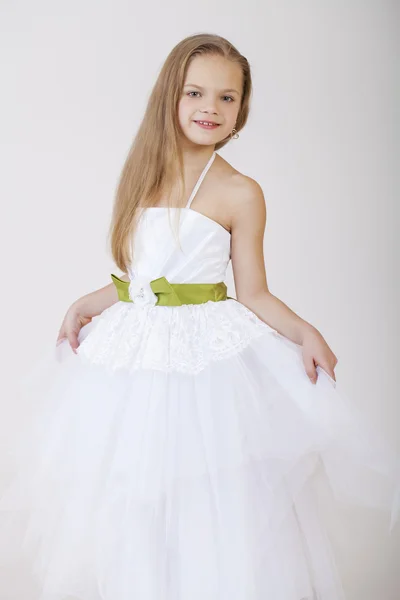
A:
(205, 121)
(206, 124)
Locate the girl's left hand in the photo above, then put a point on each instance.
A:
(316, 352)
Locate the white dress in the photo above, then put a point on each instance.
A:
(179, 455)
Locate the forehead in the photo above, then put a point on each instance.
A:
(214, 71)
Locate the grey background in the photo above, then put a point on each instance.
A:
(322, 140)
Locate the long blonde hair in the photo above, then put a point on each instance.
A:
(154, 163)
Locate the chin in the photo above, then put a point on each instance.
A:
(198, 142)
(207, 139)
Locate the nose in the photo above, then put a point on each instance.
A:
(210, 107)
(209, 112)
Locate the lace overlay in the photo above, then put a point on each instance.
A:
(182, 338)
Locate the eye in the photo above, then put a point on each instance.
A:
(230, 98)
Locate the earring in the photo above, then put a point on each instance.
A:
(234, 134)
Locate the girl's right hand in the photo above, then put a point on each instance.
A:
(73, 322)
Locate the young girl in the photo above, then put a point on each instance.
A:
(182, 436)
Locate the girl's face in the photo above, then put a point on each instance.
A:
(211, 93)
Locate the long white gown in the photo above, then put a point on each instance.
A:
(179, 454)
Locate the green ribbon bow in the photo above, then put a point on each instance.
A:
(176, 294)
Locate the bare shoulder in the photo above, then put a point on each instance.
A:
(243, 196)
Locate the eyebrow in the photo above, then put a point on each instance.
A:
(201, 88)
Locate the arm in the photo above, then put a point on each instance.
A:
(94, 303)
(248, 227)
(81, 312)
(247, 253)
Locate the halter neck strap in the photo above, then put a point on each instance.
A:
(200, 179)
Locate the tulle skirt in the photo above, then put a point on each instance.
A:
(168, 485)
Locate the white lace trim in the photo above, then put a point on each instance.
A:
(179, 338)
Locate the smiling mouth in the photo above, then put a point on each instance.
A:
(207, 123)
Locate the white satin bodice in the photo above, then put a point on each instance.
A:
(194, 249)
(182, 245)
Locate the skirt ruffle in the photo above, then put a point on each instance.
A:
(174, 486)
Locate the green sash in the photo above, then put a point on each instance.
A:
(176, 294)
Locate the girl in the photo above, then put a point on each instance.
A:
(184, 434)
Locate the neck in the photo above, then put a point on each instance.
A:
(195, 159)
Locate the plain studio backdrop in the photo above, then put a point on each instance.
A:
(321, 140)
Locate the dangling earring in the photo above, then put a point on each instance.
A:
(234, 134)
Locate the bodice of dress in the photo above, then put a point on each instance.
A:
(182, 245)
(140, 335)
(194, 249)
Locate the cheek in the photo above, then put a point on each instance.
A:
(232, 112)
(184, 109)
(229, 117)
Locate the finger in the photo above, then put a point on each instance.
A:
(334, 361)
(328, 370)
(61, 337)
(331, 373)
(73, 341)
(310, 368)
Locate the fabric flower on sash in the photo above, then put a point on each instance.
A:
(141, 293)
